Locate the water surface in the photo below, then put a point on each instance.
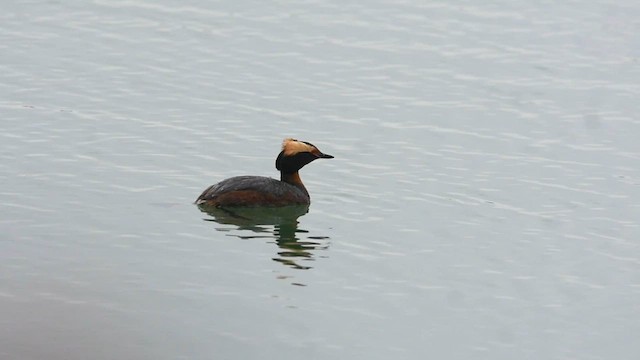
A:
(483, 202)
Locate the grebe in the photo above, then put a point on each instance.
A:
(265, 191)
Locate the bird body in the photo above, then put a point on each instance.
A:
(265, 191)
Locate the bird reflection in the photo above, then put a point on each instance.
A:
(279, 223)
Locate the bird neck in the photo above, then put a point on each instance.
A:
(293, 179)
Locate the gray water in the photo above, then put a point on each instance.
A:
(483, 202)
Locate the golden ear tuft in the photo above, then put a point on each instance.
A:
(286, 141)
(292, 146)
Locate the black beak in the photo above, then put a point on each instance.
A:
(324, 156)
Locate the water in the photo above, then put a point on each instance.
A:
(483, 202)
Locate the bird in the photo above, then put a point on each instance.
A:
(250, 191)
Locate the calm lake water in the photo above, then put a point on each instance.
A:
(483, 203)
